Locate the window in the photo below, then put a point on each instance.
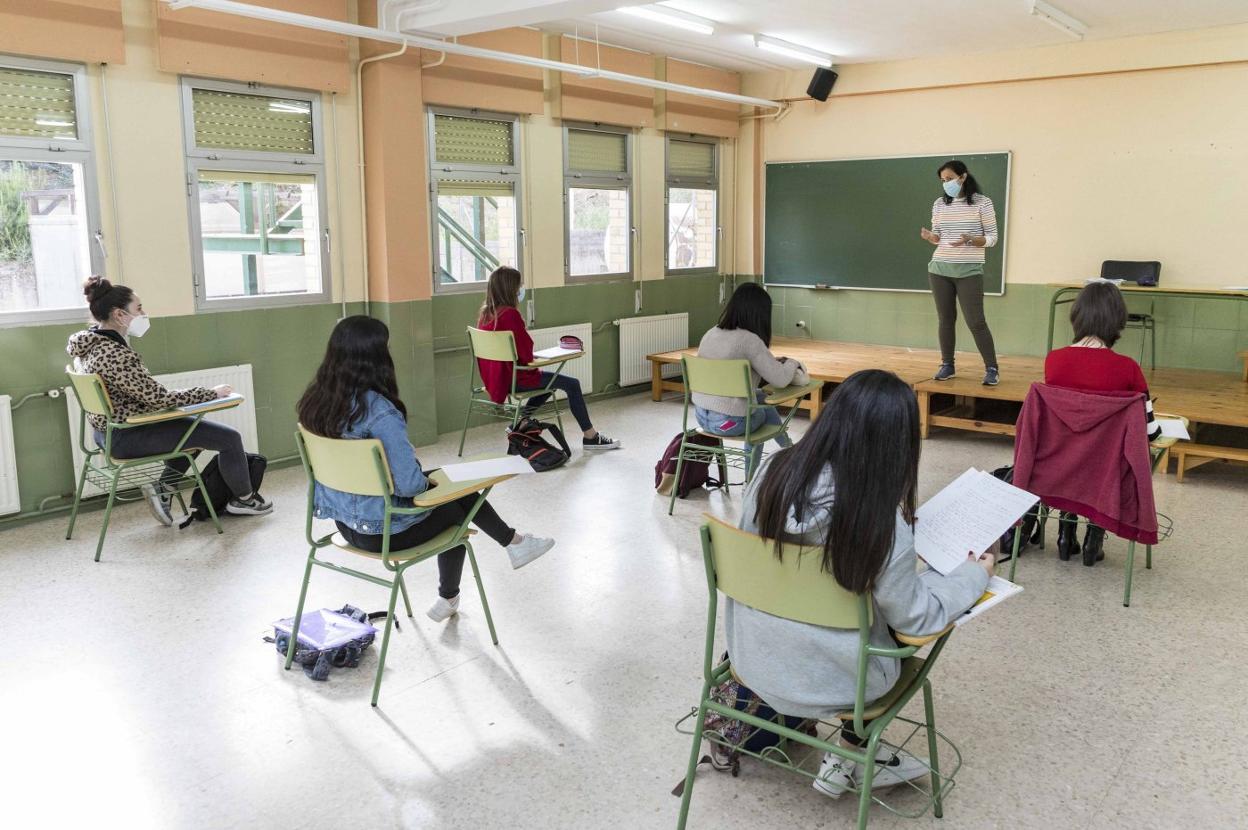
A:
(256, 188)
(692, 205)
(598, 199)
(49, 228)
(474, 181)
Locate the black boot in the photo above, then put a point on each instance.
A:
(1067, 538)
(1093, 545)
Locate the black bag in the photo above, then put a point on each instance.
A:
(214, 483)
(1031, 522)
(526, 441)
(693, 474)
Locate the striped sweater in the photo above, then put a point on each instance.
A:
(952, 220)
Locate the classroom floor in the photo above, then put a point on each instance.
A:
(138, 690)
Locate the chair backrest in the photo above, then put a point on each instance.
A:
(726, 378)
(1145, 273)
(794, 587)
(91, 393)
(492, 345)
(349, 465)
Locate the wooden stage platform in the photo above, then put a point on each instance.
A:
(963, 402)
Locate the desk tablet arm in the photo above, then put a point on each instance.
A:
(778, 396)
(920, 640)
(447, 491)
(552, 361)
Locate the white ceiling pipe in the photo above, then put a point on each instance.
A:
(369, 33)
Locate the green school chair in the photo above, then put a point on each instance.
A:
(359, 466)
(731, 379)
(126, 474)
(501, 345)
(745, 568)
(1159, 453)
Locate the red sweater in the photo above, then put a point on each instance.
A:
(496, 374)
(1093, 370)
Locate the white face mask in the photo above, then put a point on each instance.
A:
(139, 324)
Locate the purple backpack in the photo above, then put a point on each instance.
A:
(693, 474)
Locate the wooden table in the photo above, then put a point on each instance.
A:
(1065, 293)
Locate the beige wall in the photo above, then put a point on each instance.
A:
(1138, 153)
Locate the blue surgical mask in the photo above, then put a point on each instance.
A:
(952, 188)
(520, 295)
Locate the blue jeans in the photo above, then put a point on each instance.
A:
(729, 426)
(571, 387)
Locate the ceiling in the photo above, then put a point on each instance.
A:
(853, 31)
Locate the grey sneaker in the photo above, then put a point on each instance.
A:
(160, 501)
(945, 371)
(991, 376)
(253, 505)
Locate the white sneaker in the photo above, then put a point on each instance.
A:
(443, 609)
(836, 775)
(528, 549)
(893, 768)
(160, 502)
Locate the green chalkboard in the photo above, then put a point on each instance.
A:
(855, 223)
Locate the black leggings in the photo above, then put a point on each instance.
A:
(155, 439)
(572, 388)
(969, 293)
(442, 517)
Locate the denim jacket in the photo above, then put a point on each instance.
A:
(366, 514)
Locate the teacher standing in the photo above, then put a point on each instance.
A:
(963, 224)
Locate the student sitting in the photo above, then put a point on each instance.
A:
(849, 488)
(104, 349)
(355, 395)
(1091, 365)
(744, 332)
(500, 312)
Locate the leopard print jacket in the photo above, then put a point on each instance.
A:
(131, 388)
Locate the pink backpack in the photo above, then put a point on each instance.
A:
(693, 474)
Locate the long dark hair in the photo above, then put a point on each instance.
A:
(502, 291)
(749, 308)
(357, 360)
(1099, 311)
(103, 297)
(970, 187)
(868, 433)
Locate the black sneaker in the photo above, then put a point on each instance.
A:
(159, 497)
(945, 371)
(253, 505)
(600, 442)
(991, 376)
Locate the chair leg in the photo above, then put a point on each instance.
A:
(203, 491)
(108, 512)
(303, 594)
(463, 435)
(680, 462)
(868, 776)
(929, 713)
(1126, 596)
(1148, 557)
(403, 589)
(73, 514)
(385, 640)
(485, 603)
(1152, 340)
(698, 725)
(1018, 540)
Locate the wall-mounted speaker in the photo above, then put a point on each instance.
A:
(821, 84)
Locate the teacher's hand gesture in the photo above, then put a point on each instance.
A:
(931, 237)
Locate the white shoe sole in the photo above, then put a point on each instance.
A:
(518, 562)
(601, 447)
(247, 511)
(156, 505)
(432, 614)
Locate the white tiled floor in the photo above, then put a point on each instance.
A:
(137, 691)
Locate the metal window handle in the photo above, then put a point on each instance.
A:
(99, 240)
(329, 245)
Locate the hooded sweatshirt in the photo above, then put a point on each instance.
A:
(811, 671)
(131, 388)
(1087, 453)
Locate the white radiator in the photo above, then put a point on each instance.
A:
(10, 502)
(640, 336)
(241, 417)
(583, 367)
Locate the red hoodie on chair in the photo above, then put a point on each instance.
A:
(1087, 453)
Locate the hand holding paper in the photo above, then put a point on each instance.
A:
(968, 515)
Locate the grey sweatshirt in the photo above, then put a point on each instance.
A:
(739, 344)
(810, 671)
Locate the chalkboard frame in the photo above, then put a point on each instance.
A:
(1003, 208)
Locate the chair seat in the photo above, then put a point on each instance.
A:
(435, 545)
(758, 436)
(910, 668)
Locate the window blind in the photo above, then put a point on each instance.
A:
(690, 160)
(460, 140)
(37, 104)
(590, 151)
(466, 188)
(233, 121)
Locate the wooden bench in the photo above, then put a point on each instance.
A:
(1203, 454)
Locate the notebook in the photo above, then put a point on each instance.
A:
(967, 516)
(553, 352)
(997, 591)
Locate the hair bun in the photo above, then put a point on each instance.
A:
(96, 287)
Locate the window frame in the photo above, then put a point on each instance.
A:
(64, 151)
(702, 184)
(244, 162)
(455, 171)
(597, 180)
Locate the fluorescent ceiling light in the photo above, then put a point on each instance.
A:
(672, 17)
(792, 50)
(1058, 19)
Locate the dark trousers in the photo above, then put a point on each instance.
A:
(442, 517)
(155, 439)
(572, 388)
(969, 293)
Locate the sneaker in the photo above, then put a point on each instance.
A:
(528, 549)
(898, 769)
(600, 442)
(253, 505)
(836, 775)
(945, 371)
(160, 501)
(721, 757)
(991, 376)
(443, 609)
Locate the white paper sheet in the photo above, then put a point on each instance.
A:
(968, 515)
(1000, 590)
(1091, 280)
(1173, 428)
(553, 352)
(487, 468)
(196, 407)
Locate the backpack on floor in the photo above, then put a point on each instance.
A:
(526, 441)
(693, 474)
(1031, 522)
(217, 489)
